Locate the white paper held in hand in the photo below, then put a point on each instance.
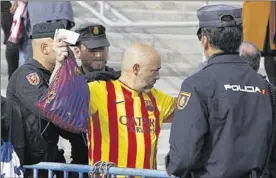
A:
(71, 37)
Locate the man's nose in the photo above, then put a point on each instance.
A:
(98, 54)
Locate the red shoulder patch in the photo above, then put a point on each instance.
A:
(33, 78)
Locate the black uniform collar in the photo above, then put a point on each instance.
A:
(220, 58)
(36, 64)
(106, 74)
(105, 69)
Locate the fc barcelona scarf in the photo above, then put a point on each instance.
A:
(66, 102)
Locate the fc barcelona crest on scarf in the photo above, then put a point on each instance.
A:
(51, 96)
(149, 105)
(183, 100)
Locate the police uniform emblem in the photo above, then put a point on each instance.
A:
(33, 78)
(96, 30)
(183, 99)
(149, 105)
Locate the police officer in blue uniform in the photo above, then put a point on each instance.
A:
(37, 139)
(222, 126)
(92, 49)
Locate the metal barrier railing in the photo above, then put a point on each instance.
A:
(128, 23)
(94, 171)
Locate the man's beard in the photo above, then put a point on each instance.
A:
(93, 68)
(150, 85)
(96, 66)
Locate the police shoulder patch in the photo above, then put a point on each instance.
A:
(183, 100)
(33, 78)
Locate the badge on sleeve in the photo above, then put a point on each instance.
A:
(183, 99)
(33, 78)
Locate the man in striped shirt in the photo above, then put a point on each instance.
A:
(127, 114)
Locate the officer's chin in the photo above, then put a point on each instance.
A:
(96, 68)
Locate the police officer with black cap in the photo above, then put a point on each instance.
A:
(37, 139)
(92, 50)
(222, 126)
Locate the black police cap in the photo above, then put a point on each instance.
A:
(219, 16)
(46, 29)
(92, 36)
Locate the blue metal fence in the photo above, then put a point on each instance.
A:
(94, 170)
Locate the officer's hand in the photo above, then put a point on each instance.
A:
(61, 48)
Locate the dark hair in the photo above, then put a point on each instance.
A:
(227, 39)
(251, 54)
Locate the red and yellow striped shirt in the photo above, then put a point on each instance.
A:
(125, 125)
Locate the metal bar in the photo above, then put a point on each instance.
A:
(60, 167)
(85, 169)
(154, 24)
(116, 12)
(80, 174)
(65, 174)
(50, 173)
(136, 24)
(102, 6)
(138, 172)
(35, 173)
(93, 11)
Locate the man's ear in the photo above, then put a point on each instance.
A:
(44, 48)
(136, 69)
(77, 52)
(204, 42)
